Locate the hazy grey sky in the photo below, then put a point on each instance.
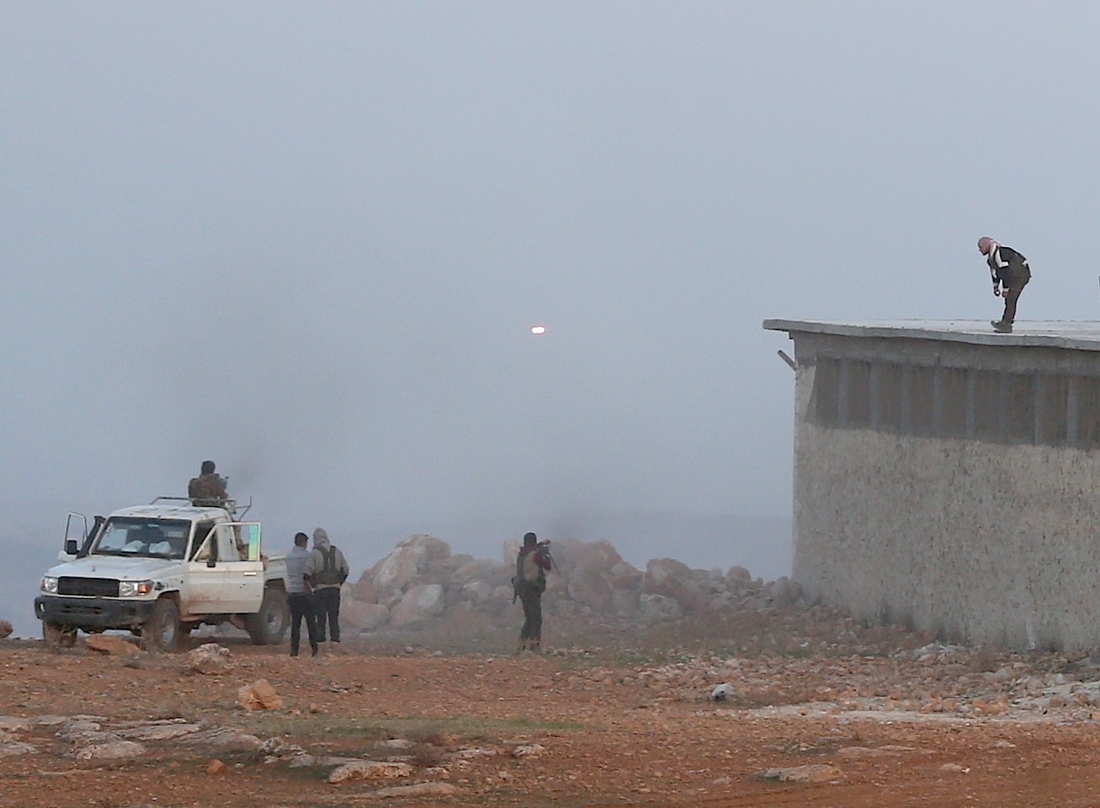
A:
(308, 240)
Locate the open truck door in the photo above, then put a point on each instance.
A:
(76, 534)
(226, 573)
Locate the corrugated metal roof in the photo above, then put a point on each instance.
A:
(1072, 335)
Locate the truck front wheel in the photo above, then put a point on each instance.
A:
(57, 635)
(269, 624)
(162, 631)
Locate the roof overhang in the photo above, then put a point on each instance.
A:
(1071, 335)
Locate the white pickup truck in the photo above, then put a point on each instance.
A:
(161, 570)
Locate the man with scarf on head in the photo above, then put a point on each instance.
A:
(328, 569)
(532, 564)
(1009, 269)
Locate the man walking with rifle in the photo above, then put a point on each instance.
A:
(528, 584)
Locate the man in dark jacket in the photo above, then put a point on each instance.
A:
(1009, 269)
(328, 569)
(532, 564)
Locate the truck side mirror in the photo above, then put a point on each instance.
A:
(71, 547)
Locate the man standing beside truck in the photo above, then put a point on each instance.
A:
(300, 595)
(328, 569)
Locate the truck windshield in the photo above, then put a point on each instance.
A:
(150, 538)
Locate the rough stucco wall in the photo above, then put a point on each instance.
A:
(988, 543)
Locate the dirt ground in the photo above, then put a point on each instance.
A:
(565, 728)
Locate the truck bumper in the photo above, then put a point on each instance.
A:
(93, 612)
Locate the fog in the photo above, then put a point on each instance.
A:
(309, 241)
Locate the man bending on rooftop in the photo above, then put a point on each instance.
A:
(1009, 269)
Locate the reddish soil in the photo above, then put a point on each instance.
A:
(594, 740)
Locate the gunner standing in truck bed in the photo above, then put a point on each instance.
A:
(208, 490)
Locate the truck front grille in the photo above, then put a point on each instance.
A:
(90, 587)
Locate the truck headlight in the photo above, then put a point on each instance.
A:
(49, 584)
(132, 589)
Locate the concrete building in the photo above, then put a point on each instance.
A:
(948, 478)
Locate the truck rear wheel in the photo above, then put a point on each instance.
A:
(162, 631)
(58, 636)
(268, 625)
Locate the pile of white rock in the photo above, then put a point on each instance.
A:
(421, 582)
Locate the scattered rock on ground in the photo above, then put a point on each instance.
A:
(210, 659)
(16, 748)
(225, 738)
(259, 696)
(160, 731)
(112, 750)
(112, 645)
(215, 766)
(811, 773)
(722, 692)
(416, 790)
(369, 770)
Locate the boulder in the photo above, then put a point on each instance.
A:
(393, 575)
(112, 750)
(259, 696)
(481, 570)
(418, 604)
(573, 554)
(673, 579)
(210, 659)
(625, 602)
(6, 629)
(225, 738)
(76, 729)
(589, 586)
(363, 616)
(369, 770)
(722, 692)
(739, 574)
(478, 591)
(785, 591)
(160, 731)
(114, 646)
(215, 767)
(364, 591)
(16, 748)
(656, 608)
(812, 773)
(625, 576)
